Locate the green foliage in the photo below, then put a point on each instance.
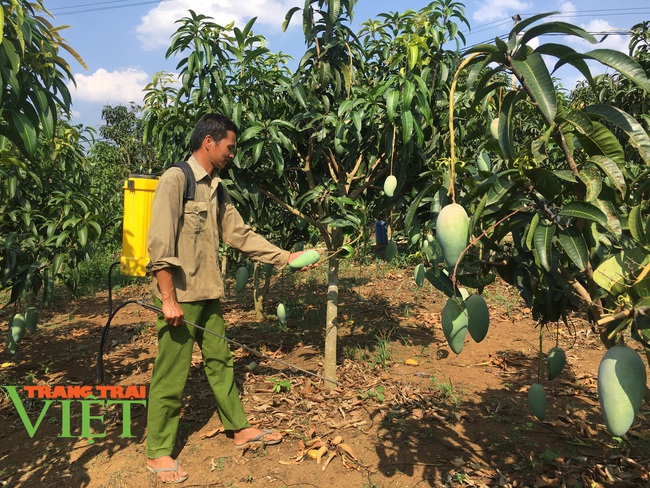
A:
(317, 142)
(280, 385)
(48, 213)
(33, 75)
(48, 216)
(562, 198)
(376, 393)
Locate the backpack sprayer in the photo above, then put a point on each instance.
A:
(138, 198)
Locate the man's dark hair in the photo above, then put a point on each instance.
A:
(215, 125)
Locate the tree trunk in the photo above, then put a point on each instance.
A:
(260, 290)
(331, 320)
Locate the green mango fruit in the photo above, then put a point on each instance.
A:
(241, 278)
(391, 251)
(454, 324)
(282, 313)
(555, 362)
(452, 232)
(494, 128)
(307, 258)
(478, 317)
(11, 344)
(537, 400)
(31, 319)
(418, 274)
(621, 386)
(18, 327)
(390, 185)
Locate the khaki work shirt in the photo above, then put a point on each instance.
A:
(185, 238)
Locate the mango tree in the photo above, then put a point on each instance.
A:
(321, 141)
(560, 213)
(48, 214)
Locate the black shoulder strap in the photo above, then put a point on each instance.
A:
(190, 182)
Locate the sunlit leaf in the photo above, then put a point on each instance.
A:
(616, 272)
(613, 222)
(601, 141)
(622, 63)
(613, 172)
(638, 136)
(584, 210)
(593, 181)
(538, 80)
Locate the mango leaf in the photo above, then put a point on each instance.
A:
(536, 76)
(476, 280)
(26, 132)
(638, 136)
(575, 246)
(82, 235)
(300, 95)
(601, 141)
(531, 232)
(615, 273)
(577, 119)
(613, 222)
(414, 55)
(501, 186)
(562, 50)
(520, 26)
(543, 239)
(636, 225)
(392, 101)
(584, 210)
(250, 133)
(593, 181)
(408, 92)
(613, 172)
(334, 10)
(622, 63)
(505, 128)
(407, 127)
(556, 28)
(440, 281)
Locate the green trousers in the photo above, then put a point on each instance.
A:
(172, 367)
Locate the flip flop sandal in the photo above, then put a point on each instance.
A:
(168, 470)
(259, 440)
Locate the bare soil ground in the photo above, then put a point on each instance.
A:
(449, 421)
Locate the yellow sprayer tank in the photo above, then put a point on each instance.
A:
(138, 197)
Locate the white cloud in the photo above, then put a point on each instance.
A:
(568, 12)
(111, 87)
(499, 9)
(599, 28)
(157, 27)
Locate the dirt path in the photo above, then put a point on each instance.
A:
(449, 421)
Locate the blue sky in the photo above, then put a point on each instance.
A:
(123, 42)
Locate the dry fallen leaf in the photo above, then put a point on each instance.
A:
(212, 433)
